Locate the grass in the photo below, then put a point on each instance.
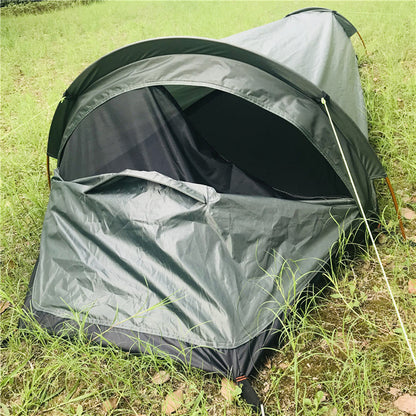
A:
(346, 353)
(19, 7)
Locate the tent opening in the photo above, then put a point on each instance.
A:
(220, 140)
(265, 146)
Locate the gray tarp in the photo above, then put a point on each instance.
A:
(199, 266)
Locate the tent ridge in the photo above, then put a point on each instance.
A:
(160, 81)
(204, 46)
(348, 27)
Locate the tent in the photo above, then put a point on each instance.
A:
(200, 190)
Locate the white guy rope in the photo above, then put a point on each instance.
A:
(35, 116)
(323, 101)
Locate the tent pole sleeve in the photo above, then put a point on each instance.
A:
(48, 171)
(396, 207)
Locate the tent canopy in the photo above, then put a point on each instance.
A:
(200, 190)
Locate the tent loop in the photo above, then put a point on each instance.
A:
(250, 395)
(357, 197)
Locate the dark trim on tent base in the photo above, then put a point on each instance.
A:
(242, 360)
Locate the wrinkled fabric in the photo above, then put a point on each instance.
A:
(315, 45)
(139, 247)
(179, 260)
(257, 87)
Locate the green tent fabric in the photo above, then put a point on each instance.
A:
(257, 254)
(317, 49)
(199, 188)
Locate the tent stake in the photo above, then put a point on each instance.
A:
(362, 40)
(396, 207)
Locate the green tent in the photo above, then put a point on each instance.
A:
(200, 189)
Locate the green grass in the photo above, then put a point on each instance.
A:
(348, 346)
(19, 7)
